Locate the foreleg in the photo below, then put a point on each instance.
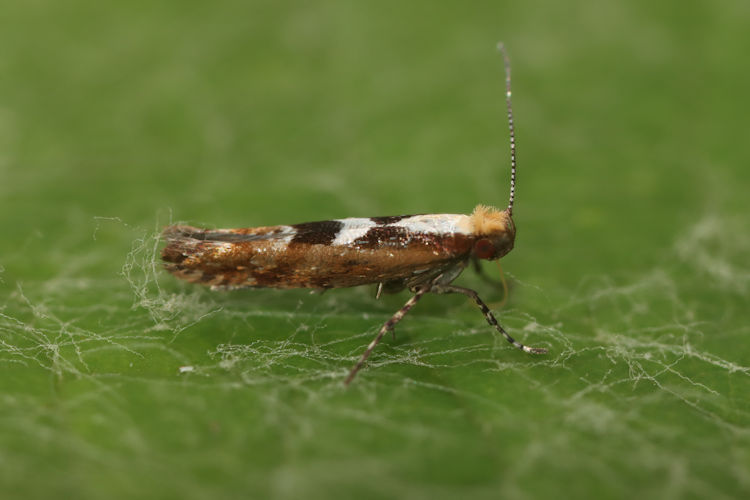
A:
(487, 314)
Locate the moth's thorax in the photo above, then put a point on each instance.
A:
(494, 230)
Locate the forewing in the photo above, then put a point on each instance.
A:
(326, 254)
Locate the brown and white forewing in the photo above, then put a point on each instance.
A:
(326, 254)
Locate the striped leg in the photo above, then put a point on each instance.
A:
(388, 325)
(487, 314)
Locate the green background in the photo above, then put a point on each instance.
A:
(631, 262)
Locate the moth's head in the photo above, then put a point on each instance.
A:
(494, 231)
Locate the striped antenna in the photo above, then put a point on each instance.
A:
(506, 60)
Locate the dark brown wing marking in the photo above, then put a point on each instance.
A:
(317, 233)
(391, 219)
(383, 236)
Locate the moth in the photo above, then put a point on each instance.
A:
(422, 253)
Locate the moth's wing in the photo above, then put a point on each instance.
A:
(404, 251)
(221, 257)
(184, 233)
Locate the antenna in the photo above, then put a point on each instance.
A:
(506, 60)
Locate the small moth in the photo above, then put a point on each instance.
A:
(422, 253)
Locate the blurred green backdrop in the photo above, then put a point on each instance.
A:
(631, 263)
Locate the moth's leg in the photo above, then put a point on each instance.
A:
(388, 325)
(478, 268)
(487, 314)
(393, 286)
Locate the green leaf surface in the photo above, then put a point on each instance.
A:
(631, 262)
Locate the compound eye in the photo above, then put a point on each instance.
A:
(484, 249)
